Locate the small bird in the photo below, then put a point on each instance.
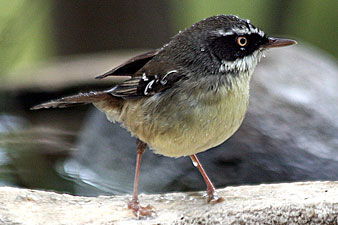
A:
(186, 97)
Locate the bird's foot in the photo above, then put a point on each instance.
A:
(141, 211)
(213, 198)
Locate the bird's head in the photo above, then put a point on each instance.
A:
(233, 44)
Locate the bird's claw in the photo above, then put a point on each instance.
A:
(141, 211)
(214, 199)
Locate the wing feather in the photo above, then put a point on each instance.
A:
(131, 66)
(81, 98)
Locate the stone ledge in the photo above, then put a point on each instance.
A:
(288, 203)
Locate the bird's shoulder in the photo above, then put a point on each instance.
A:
(149, 75)
(154, 77)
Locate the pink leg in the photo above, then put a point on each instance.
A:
(134, 205)
(211, 191)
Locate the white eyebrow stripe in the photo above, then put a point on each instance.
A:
(241, 31)
(223, 33)
(246, 30)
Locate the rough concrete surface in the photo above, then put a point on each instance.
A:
(288, 203)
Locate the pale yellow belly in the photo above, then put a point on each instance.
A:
(190, 125)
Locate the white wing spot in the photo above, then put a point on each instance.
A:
(148, 87)
(163, 81)
(144, 77)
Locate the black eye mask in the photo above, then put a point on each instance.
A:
(227, 48)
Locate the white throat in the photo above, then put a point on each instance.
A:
(246, 64)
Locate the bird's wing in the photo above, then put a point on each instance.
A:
(146, 83)
(154, 77)
(131, 66)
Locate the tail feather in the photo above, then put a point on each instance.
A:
(81, 98)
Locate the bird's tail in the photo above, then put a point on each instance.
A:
(81, 98)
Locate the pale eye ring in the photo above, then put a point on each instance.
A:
(242, 41)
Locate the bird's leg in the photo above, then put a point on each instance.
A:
(134, 205)
(211, 191)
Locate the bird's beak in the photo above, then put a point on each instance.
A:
(278, 42)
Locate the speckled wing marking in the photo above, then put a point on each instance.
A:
(148, 77)
(154, 77)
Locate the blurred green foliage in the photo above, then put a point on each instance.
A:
(23, 33)
(26, 25)
(316, 22)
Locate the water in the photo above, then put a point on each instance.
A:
(7, 124)
(41, 157)
(86, 178)
(28, 155)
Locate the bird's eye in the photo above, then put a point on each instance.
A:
(242, 41)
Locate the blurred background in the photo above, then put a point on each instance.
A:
(35, 31)
(50, 48)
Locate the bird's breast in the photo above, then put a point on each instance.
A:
(188, 122)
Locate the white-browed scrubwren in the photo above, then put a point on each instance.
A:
(186, 97)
